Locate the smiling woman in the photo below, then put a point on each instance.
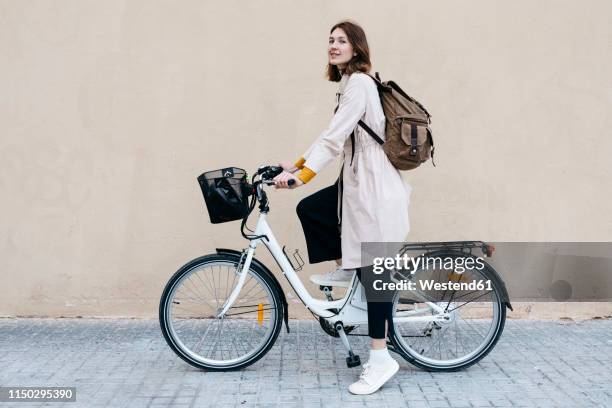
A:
(347, 57)
(368, 202)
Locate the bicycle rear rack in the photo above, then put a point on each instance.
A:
(462, 246)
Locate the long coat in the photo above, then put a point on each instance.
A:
(375, 198)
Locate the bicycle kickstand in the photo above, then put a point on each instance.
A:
(353, 359)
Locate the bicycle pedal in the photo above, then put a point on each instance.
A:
(353, 361)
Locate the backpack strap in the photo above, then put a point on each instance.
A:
(379, 84)
(364, 126)
(371, 132)
(352, 147)
(433, 148)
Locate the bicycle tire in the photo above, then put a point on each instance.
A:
(497, 328)
(176, 344)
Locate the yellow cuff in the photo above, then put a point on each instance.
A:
(306, 174)
(300, 163)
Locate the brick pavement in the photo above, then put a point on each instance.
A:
(126, 363)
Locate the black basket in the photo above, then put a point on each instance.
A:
(226, 194)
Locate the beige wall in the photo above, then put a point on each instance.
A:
(110, 109)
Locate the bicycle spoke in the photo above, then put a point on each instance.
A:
(208, 289)
(477, 297)
(226, 285)
(249, 311)
(197, 345)
(192, 290)
(214, 286)
(196, 289)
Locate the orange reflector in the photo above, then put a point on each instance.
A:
(454, 277)
(260, 314)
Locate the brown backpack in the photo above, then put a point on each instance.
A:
(408, 137)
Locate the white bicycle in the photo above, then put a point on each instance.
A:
(225, 310)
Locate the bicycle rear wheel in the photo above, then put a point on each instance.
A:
(476, 319)
(190, 304)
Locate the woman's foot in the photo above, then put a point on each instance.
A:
(338, 277)
(377, 371)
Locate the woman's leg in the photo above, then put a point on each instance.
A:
(381, 366)
(318, 214)
(380, 307)
(380, 344)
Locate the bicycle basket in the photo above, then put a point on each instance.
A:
(226, 194)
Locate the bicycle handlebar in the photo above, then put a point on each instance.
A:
(269, 172)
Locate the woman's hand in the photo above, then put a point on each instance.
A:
(282, 180)
(288, 166)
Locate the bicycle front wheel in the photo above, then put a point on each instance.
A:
(476, 318)
(189, 309)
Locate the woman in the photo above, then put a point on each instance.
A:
(368, 203)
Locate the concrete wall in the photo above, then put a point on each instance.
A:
(110, 109)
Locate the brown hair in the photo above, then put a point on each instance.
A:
(360, 62)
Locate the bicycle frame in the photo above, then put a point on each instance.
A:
(352, 308)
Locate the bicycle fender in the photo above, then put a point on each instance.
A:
(502, 285)
(263, 268)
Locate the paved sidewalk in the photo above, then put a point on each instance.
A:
(126, 363)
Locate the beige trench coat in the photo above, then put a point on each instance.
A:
(375, 198)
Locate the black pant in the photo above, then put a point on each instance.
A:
(318, 214)
(380, 302)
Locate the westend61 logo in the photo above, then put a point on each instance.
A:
(455, 265)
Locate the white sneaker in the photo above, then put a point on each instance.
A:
(373, 377)
(339, 277)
